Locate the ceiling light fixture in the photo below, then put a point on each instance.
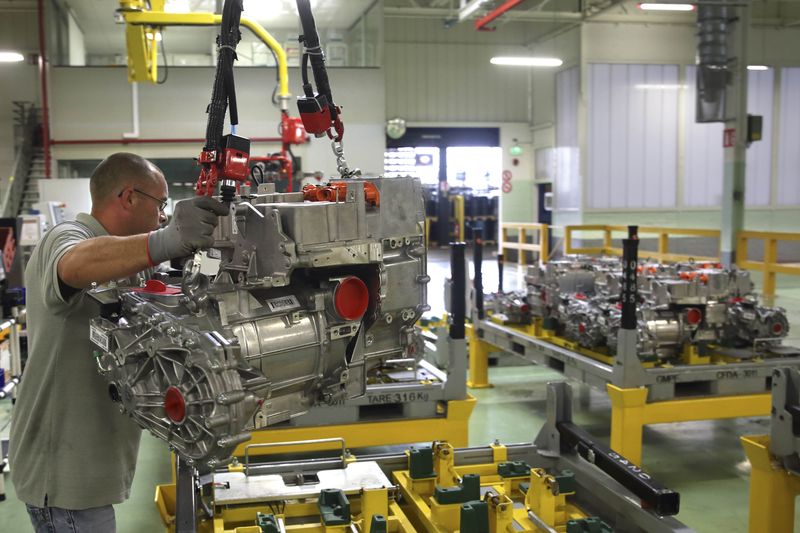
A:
(757, 67)
(11, 57)
(654, 6)
(469, 9)
(527, 61)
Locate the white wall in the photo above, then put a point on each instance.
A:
(703, 162)
(19, 31)
(95, 103)
(696, 182)
(444, 75)
(632, 136)
(639, 43)
(77, 46)
(454, 82)
(677, 44)
(568, 184)
(758, 184)
(567, 47)
(18, 81)
(788, 192)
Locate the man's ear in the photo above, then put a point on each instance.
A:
(125, 198)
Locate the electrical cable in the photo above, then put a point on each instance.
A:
(164, 55)
(313, 54)
(223, 96)
(295, 166)
(308, 90)
(253, 174)
(275, 101)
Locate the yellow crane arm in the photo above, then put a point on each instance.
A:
(141, 26)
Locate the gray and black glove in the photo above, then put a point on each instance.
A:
(191, 229)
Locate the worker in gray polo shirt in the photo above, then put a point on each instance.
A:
(72, 453)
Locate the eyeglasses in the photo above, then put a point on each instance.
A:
(162, 204)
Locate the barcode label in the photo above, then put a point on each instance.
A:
(284, 303)
(97, 336)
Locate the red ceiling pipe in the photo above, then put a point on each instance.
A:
(481, 23)
(43, 78)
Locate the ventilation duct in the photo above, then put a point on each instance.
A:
(713, 75)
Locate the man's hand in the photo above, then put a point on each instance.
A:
(191, 229)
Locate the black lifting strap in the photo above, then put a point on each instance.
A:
(314, 54)
(224, 92)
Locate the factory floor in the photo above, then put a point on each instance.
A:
(704, 461)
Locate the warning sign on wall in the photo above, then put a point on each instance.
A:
(728, 138)
(506, 187)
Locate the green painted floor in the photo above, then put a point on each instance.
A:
(702, 460)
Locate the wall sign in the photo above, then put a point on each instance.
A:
(729, 138)
(506, 187)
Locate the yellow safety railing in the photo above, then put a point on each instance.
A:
(662, 254)
(769, 264)
(540, 233)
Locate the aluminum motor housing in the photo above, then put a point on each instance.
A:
(309, 300)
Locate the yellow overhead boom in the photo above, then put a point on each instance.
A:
(142, 25)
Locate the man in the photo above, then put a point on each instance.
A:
(72, 453)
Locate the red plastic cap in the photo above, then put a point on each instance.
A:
(351, 298)
(777, 329)
(174, 405)
(694, 316)
(154, 285)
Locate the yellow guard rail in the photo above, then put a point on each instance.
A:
(769, 264)
(540, 234)
(662, 254)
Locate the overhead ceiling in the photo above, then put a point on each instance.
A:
(103, 36)
(538, 17)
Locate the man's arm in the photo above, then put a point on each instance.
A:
(103, 259)
(107, 258)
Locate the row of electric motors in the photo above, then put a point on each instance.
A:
(678, 305)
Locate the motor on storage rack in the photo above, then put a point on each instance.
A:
(679, 305)
(315, 291)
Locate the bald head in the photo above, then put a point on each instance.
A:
(118, 171)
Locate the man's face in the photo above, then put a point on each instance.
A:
(148, 198)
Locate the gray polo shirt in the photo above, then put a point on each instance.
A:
(70, 446)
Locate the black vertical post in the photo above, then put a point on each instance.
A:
(630, 263)
(478, 260)
(501, 258)
(458, 289)
(443, 205)
(185, 498)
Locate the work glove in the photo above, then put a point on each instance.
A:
(191, 229)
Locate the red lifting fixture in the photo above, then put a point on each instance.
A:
(337, 191)
(481, 23)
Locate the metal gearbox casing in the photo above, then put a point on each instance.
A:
(310, 300)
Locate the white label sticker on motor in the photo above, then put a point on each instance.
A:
(284, 303)
(98, 337)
